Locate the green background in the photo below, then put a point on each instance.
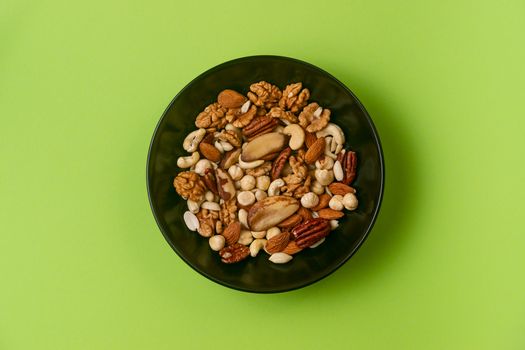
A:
(83, 264)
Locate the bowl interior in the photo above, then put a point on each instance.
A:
(258, 274)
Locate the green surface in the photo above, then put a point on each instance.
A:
(83, 264)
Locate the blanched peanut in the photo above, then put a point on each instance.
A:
(245, 198)
(280, 258)
(272, 232)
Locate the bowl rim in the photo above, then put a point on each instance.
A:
(375, 213)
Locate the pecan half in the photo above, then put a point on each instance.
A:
(279, 163)
(277, 243)
(234, 253)
(350, 167)
(259, 126)
(311, 232)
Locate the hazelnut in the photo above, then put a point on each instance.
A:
(336, 202)
(309, 200)
(235, 172)
(350, 201)
(263, 182)
(247, 183)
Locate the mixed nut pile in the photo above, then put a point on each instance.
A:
(267, 171)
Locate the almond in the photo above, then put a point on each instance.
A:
(232, 233)
(271, 211)
(231, 99)
(293, 220)
(210, 152)
(264, 145)
(330, 214)
(292, 248)
(324, 200)
(315, 151)
(305, 213)
(309, 138)
(277, 243)
(340, 188)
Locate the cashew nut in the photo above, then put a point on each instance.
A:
(187, 162)
(296, 133)
(350, 201)
(325, 177)
(280, 258)
(247, 183)
(263, 182)
(191, 142)
(327, 148)
(309, 200)
(335, 131)
(217, 242)
(245, 198)
(226, 146)
(235, 172)
(256, 246)
(258, 234)
(250, 165)
(218, 145)
(245, 238)
(201, 166)
(336, 202)
(275, 187)
(243, 217)
(338, 171)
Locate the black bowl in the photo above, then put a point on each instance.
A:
(258, 274)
